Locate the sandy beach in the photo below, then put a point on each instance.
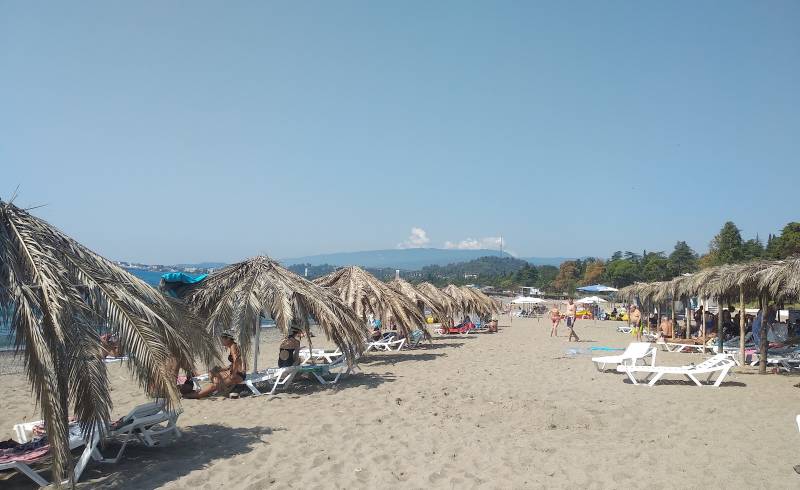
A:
(509, 410)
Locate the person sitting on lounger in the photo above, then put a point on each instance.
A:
(288, 355)
(110, 345)
(223, 379)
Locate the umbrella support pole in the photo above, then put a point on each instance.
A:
(258, 344)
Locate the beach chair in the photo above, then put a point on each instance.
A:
(624, 328)
(148, 423)
(111, 360)
(720, 363)
(680, 347)
(320, 355)
(635, 352)
(385, 346)
(276, 377)
(22, 462)
(414, 338)
(336, 369)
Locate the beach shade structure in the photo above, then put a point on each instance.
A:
(423, 300)
(490, 306)
(597, 288)
(446, 302)
(591, 300)
(236, 297)
(365, 294)
(469, 300)
(178, 284)
(527, 300)
(59, 292)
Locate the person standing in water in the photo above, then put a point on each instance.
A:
(571, 317)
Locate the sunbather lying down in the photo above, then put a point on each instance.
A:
(223, 379)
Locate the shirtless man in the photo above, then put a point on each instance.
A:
(635, 317)
(571, 317)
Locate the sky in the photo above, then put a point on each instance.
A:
(175, 132)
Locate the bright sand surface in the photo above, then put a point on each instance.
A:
(509, 410)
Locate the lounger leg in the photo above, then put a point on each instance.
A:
(696, 381)
(721, 376)
(28, 471)
(631, 376)
(655, 379)
(253, 388)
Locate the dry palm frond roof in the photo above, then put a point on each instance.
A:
(366, 294)
(60, 291)
(419, 297)
(235, 297)
(446, 302)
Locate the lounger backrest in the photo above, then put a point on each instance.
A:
(713, 361)
(636, 350)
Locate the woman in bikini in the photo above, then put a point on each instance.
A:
(222, 379)
(555, 319)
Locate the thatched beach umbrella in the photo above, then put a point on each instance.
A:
(366, 294)
(419, 297)
(59, 291)
(237, 296)
(486, 304)
(446, 303)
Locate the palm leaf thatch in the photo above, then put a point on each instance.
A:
(486, 304)
(235, 297)
(781, 279)
(468, 300)
(420, 298)
(59, 292)
(645, 291)
(365, 294)
(446, 302)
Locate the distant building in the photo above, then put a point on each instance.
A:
(530, 291)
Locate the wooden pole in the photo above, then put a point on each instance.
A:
(310, 347)
(741, 325)
(704, 308)
(258, 344)
(762, 350)
(688, 333)
(720, 340)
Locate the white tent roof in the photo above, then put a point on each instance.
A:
(522, 300)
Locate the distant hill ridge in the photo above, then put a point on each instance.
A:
(409, 258)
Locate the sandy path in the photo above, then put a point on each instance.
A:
(488, 411)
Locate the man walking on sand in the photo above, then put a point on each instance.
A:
(571, 317)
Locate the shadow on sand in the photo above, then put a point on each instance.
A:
(384, 359)
(143, 467)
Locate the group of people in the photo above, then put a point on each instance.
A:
(571, 317)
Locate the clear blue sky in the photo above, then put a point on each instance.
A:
(184, 131)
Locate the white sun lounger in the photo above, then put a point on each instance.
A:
(635, 352)
(111, 360)
(385, 346)
(148, 423)
(720, 363)
(329, 356)
(624, 328)
(679, 347)
(277, 377)
(75, 441)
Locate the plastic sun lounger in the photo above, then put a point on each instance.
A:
(624, 329)
(74, 443)
(319, 371)
(680, 347)
(319, 355)
(385, 346)
(635, 352)
(148, 423)
(111, 360)
(720, 363)
(277, 377)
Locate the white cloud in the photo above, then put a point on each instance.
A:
(417, 239)
(489, 242)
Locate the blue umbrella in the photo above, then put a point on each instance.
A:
(597, 288)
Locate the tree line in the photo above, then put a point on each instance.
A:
(621, 269)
